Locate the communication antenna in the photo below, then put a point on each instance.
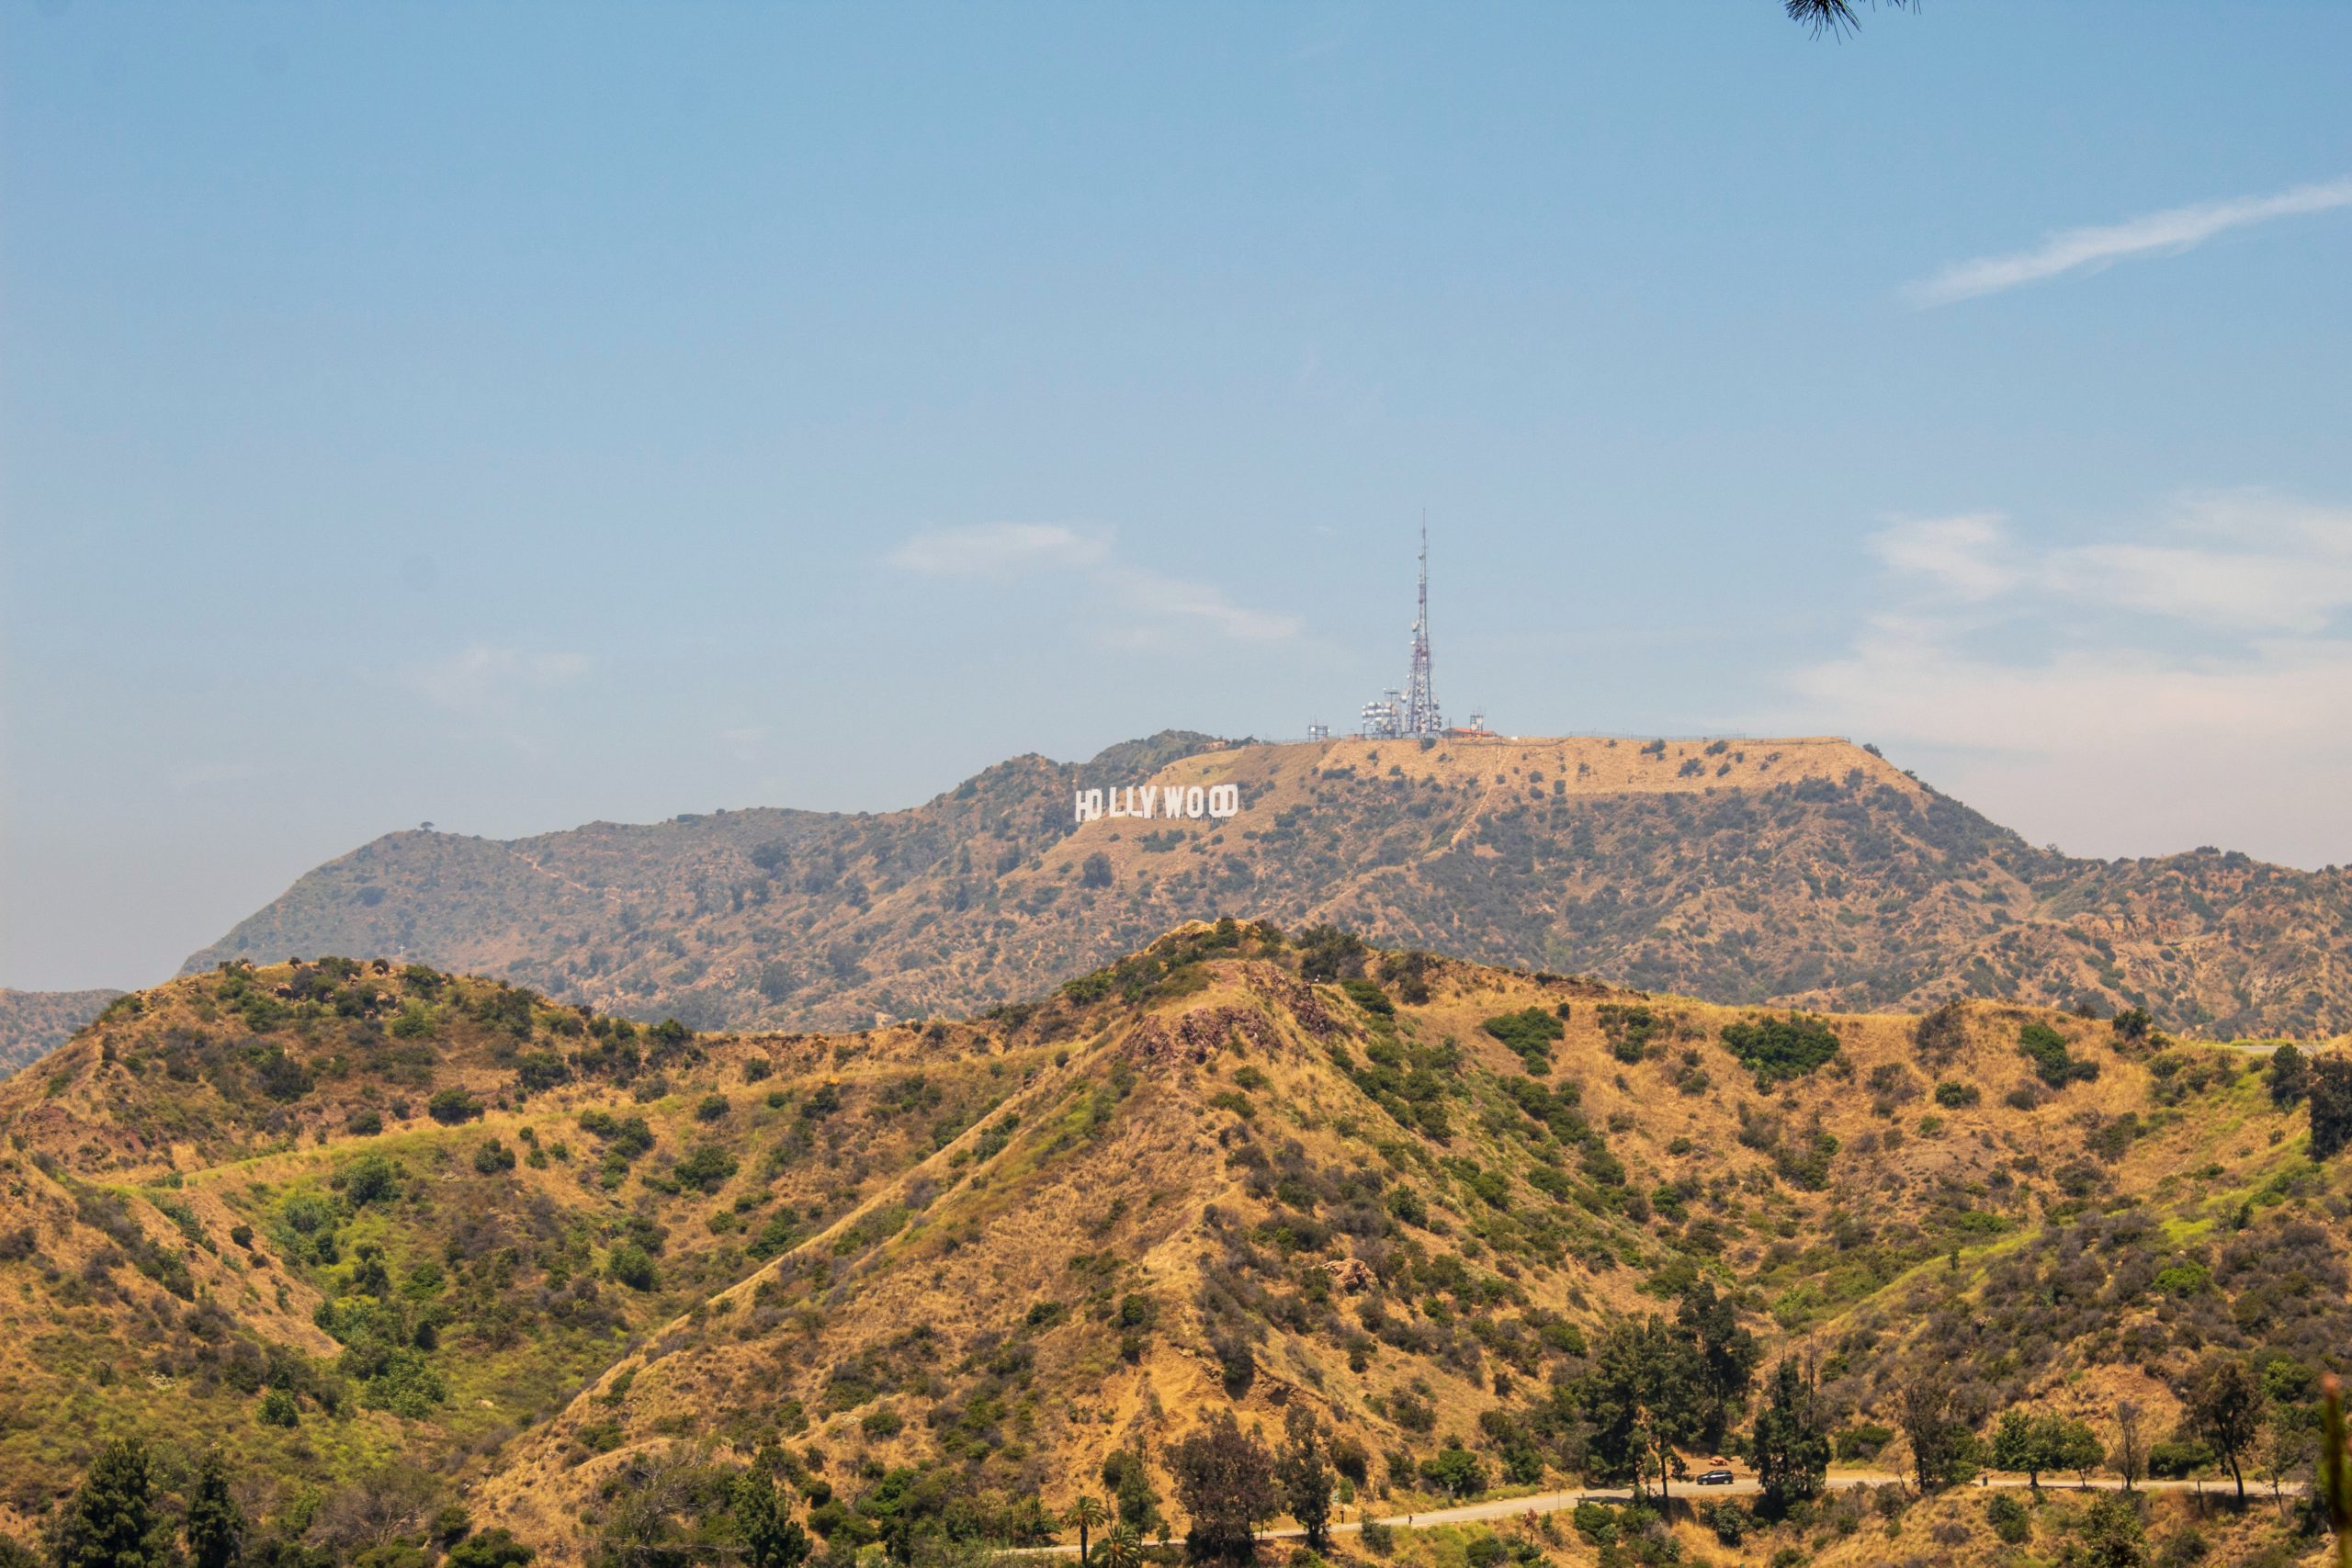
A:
(1411, 711)
(1421, 716)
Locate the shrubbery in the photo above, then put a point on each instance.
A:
(706, 1169)
(369, 1178)
(1780, 1049)
(2053, 1063)
(1630, 1028)
(1530, 1033)
(632, 1266)
(451, 1106)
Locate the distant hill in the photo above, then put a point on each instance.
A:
(1797, 871)
(399, 1241)
(34, 1024)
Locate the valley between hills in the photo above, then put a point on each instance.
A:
(441, 1265)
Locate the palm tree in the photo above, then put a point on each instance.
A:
(1122, 1548)
(1084, 1515)
(1835, 17)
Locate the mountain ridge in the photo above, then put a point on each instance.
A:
(1797, 871)
(34, 1024)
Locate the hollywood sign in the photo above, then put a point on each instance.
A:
(1172, 801)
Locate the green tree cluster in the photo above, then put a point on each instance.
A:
(2031, 1444)
(1655, 1386)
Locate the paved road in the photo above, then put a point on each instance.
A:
(1840, 1480)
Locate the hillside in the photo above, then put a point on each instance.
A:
(1804, 872)
(389, 1234)
(34, 1024)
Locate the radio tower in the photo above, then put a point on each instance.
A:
(1421, 716)
(1395, 715)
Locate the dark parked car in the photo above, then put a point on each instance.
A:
(1714, 1478)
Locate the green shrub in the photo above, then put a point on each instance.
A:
(630, 1138)
(1956, 1096)
(1528, 1032)
(775, 1237)
(2183, 1279)
(494, 1156)
(1596, 1522)
(2010, 1518)
(492, 1548)
(632, 1266)
(1807, 1163)
(1456, 1471)
(539, 1071)
(367, 1179)
(1778, 1049)
(1630, 1028)
(2046, 1048)
(404, 1384)
(1551, 1183)
(451, 1106)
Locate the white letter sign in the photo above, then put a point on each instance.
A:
(1172, 801)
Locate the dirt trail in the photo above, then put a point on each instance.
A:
(1558, 1502)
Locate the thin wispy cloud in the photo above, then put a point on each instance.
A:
(2168, 232)
(2248, 562)
(1149, 606)
(2151, 688)
(1960, 554)
(1000, 549)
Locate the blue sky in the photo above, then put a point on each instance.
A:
(513, 416)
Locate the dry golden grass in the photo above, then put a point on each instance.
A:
(1091, 1153)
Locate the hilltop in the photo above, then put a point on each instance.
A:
(1797, 871)
(388, 1233)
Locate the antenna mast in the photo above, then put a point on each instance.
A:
(1412, 712)
(1421, 714)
